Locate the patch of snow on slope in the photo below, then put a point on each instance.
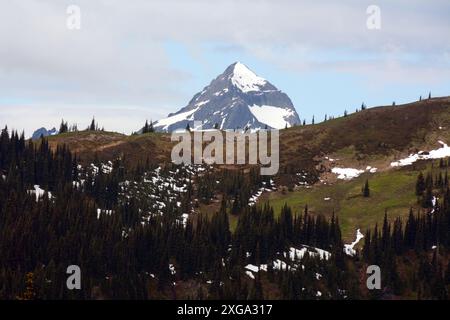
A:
(172, 269)
(252, 267)
(298, 254)
(349, 248)
(165, 123)
(254, 198)
(199, 104)
(245, 80)
(292, 257)
(346, 173)
(442, 152)
(274, 117)
(371, 169)
(101, 211)
(39, 193)
(433, 203)
(250, 274)
(280, 265)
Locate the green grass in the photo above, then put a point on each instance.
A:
(393, 191)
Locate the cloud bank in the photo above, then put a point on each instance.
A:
(117, 64)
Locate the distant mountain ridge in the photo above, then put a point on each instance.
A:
(236, 99)
(43, 132)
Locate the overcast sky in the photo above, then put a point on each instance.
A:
(142, 59)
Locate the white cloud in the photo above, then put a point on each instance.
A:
(118, 57)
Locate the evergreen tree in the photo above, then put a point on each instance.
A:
(63, 128)
(366, 189)
(146, 128)
(420, 184)
(93, 126)
(151, 128)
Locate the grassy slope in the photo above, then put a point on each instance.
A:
(109, 145)
(393, 191)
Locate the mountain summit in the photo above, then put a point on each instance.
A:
(236, 99)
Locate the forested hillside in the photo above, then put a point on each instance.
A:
(152, 231)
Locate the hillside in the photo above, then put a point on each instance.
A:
(145, 228)
(373, 137)
(87, 145)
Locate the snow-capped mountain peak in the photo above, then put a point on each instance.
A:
(236, 99)
(43, 132)
(245, 79)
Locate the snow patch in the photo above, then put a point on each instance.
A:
(349, 248)
(39, 193)
(101, 211)
(199, 104)
(254, 198)
(346, 173)
(433, 203)
(371, 169)
(165, 123)
(298, 254)
(172, 269)
(252, 267)
(442, 152)
(274, 117)
(245, 79)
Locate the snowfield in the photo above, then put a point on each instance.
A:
(245, 80)
(254, 198)
(252, 267)
(101, 211)
(346, 173)
(349, 248)
(350, 173)
(293, 257)
(434, 203)
(172, 269)
(165, 123)
(442, 152)
(39, 193)
(371, 169)
(274, 117)
(298, 254)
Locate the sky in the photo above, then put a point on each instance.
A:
(143, 59)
